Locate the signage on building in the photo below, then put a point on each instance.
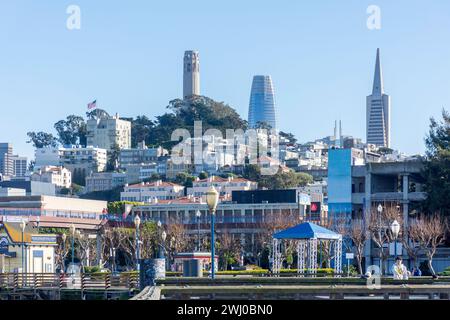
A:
(4, 242)
(14, 219)
(44, 239)
(304, 199)
(315, 207)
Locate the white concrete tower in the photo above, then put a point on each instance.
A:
(191, 74)
(378, 112)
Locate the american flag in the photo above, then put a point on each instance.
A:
(92, 105)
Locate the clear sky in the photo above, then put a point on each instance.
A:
(320, 54)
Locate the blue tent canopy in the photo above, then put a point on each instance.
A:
(307, 230)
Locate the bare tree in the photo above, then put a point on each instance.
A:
(358, 234)
(61, 251)
(229, 249)
(86, 246)
(431, 231)
(116, 239)
(411, 241)
(380, 231)
(272, 224)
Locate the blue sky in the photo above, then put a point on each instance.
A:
(320, 54)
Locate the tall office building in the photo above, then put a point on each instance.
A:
(6, 161)
(262, 102)
(378, 115)
(20, 166)
(191, 74)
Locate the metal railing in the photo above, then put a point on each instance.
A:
(84, 281)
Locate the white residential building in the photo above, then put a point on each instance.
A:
(225, 186)
(82, 161)
(146, 192)
(59, 176)
(106, 132)
(139, 155)
(48, 157)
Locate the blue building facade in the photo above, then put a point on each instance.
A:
(340, 183)
(262, 102)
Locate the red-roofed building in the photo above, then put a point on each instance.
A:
(151, 191)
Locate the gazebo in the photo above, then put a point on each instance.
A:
(307, 236)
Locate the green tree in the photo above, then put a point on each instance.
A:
(184, 179)
(203, 175)
(42, 139)
(437, 166)
(285, 180)
(183, 114)
(252, 172)
(141, 130)
(72, 130)
(288, 136)
(113, 158)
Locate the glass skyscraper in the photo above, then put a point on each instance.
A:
(262, 102)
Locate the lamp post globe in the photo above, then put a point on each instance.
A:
(395, 228)
(23, 224)
(137, 221)
(212, 199)
(380, 208)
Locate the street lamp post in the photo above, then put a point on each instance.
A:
(72, 232)
(163, 238)
(380, 211)
(198, 214)
(212, 199)
(38, 223)
(137, 223)
(63, 238)
(23, 224)
(395, 228)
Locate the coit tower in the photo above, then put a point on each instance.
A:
(191, 74)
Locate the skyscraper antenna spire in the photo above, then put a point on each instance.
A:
(378, 86)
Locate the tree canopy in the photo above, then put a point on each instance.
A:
(281, 180)
(72, 130)
(437, 167)
(42, 139)
(182, 115)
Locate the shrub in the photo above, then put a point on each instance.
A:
(446, 272)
